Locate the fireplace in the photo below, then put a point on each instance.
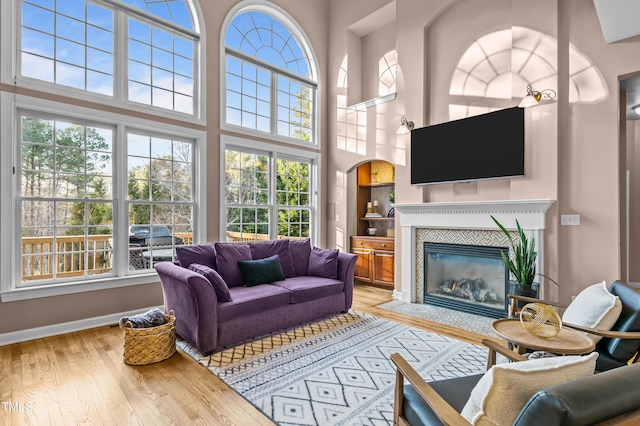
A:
(469, 278)
(460, 222)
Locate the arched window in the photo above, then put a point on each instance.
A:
(270, 86)
(84, 45)
(271, 80)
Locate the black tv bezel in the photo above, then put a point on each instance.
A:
(473, 179)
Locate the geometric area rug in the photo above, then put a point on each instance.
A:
(336, 371)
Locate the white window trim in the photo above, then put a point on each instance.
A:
(227, 141)
(9, 36)
(271, 9)
(10, 260)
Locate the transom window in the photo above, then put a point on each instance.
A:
(76, 44)
(270, 81)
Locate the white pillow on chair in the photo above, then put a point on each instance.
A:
(594, 307)
(502, 392)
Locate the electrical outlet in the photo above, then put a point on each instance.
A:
(570, 219)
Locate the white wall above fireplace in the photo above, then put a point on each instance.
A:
(463, 216)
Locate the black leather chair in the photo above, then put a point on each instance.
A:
(620, 345)
(612, 397)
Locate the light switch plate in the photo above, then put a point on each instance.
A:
(570, 219)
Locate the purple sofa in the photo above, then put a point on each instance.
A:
(223, 294)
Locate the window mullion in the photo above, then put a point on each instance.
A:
(120, 56)
(274, 104)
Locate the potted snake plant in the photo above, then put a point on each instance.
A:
(522, 265)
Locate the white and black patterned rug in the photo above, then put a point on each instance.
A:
(336, 371)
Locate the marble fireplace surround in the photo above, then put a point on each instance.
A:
(466, 222)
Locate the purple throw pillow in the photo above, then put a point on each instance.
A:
(300, 252)
(323, 263)
(218, 284)
(203, 254)
(279, 247)
(227, 257)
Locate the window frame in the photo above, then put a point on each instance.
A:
(11, 105)
(10, 65)
(314, 79)
(274, 152)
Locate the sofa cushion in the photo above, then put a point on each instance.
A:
(280, 247)
(300, 252)
(501, 393)
(629, 320)
(203, 254)
(261, 271)
(305, 288)
(594, 307)
(251, 300)
(218, 284)
(227, 257)
(323, 263)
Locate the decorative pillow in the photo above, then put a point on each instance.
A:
(218, 284)
(227, 257)
(323, 263)
(503, 391)
(280, 247)
(300, 252)
(594, 307)
(261, 271)
(204, 254)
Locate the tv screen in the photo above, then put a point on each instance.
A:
(487, 146)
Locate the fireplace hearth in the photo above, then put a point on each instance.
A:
(468, 278)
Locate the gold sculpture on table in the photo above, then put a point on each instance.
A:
(540, 320)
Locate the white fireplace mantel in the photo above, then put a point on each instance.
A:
(468, 215)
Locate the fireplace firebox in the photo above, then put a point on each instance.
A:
(468, 278)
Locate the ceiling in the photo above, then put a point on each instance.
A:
(619, 21)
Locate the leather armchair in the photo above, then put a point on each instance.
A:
(621, 344)
(612, 397)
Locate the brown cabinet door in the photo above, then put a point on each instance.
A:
(364, 265)
(383, 267)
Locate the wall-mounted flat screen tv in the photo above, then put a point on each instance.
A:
(486, 146)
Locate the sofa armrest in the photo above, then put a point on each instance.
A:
(193, 299)
(346, 270)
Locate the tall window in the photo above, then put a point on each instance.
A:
(76, 44)
(270, 80)
(268, 196)
(95, 198)
(270, 85)
(66, 197)
(160, 194)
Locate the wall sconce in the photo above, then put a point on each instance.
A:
(534, 97)
(636, 109)
(405, 127)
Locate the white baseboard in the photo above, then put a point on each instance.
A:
(67, 327)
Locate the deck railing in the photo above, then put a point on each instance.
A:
(65, 255)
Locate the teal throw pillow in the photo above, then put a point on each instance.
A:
(261, 271)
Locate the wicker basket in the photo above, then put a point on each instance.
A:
(144, 346)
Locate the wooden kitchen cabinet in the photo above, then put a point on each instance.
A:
(375, 264)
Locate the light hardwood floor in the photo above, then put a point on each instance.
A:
(80, 378)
